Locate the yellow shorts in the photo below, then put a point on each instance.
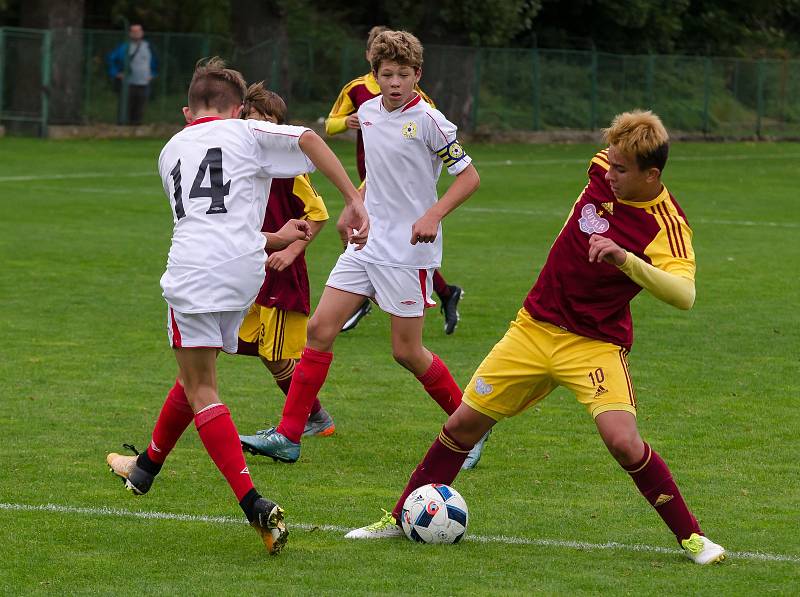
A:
(280, 334)
(535, 357)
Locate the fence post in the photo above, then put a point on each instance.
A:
(162, 75)
(759, 96)
(47, 45)
(476, 89)
(706, 92)
(593, 107)
(649, 78)
(537, 94)
(87, 60)
(2, 66)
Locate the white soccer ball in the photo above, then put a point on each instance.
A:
(434, 513)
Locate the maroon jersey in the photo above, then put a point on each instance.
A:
(290, 198)
(593, 299)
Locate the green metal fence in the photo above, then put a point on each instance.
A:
(60, 77)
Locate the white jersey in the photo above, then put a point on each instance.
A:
(216, 174)
(404, 151)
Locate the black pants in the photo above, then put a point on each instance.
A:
(137, 100)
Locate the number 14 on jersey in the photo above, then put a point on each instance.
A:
(217, 189)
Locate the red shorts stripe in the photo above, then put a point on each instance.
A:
(176, 333)
(423, 286)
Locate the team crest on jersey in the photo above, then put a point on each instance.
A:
(591, 222)
(482, 388)
(410, 129)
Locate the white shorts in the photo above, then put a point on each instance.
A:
(204, 330)
(400, 291)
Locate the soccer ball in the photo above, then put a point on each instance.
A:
(434, 513)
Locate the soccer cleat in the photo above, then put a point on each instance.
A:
(385, 528)
(268, 521)
(361, 312)
(450, 308)
(475, 453)
(702, 550)
(268, 442)
(136, 479)
(320, 423)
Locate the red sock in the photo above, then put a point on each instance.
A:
(441, 386)
(440, 465)
(440, 286)
(309, 375)
(219, 436)
(175, 416)
(654, 480)
(284, 381)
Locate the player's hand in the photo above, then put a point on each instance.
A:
(352, 121)
(425, 229)
(357, 222)
(605, 249)
(291, 231)
(280, 260)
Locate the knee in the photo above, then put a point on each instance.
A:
(625, 448)
(412, 358)
(320, 334)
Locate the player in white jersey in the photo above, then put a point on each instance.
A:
(217, 173)
(406, 142)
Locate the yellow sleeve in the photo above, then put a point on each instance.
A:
(671, 249)
(672, 288)
(424, 95)
(342, 108)
(315, 209)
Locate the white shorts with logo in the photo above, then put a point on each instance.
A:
(401, 291)
(204, 330)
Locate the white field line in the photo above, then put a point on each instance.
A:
(575, 545)
(534, 162)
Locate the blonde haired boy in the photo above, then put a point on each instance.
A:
(625, 232)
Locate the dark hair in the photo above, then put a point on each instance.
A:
(215, 86)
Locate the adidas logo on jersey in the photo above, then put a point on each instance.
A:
(600, 391)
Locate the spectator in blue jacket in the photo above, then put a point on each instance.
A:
(141, 68)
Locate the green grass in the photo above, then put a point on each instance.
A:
(85, 365)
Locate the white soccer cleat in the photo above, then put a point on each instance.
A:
(385, 528)
(701, 550)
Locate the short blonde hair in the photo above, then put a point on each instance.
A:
(641, 134)
(401, 47)
(215, 86)
(265, 102)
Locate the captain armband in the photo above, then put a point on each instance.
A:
(452, 153)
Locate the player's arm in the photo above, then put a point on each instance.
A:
(426, 228)
(314, 212)
(673, 289)
(280, 260)
(291, 231)
(355, 214)
(343, 109)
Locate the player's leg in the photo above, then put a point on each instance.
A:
(654, 480)
(283, 442)
(221, 440)
(427, 367)
(449, 296)
(512, 377)
(598, 374)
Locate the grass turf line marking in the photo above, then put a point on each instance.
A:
(534, 162)
(578, 545)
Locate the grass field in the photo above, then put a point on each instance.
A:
(85, 365)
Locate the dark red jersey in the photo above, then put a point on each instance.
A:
(290, 198)
(593, 299)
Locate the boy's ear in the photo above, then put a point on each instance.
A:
(187, 114)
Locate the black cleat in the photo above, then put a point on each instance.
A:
(450, 309)
(362, 311)
(268, 521)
